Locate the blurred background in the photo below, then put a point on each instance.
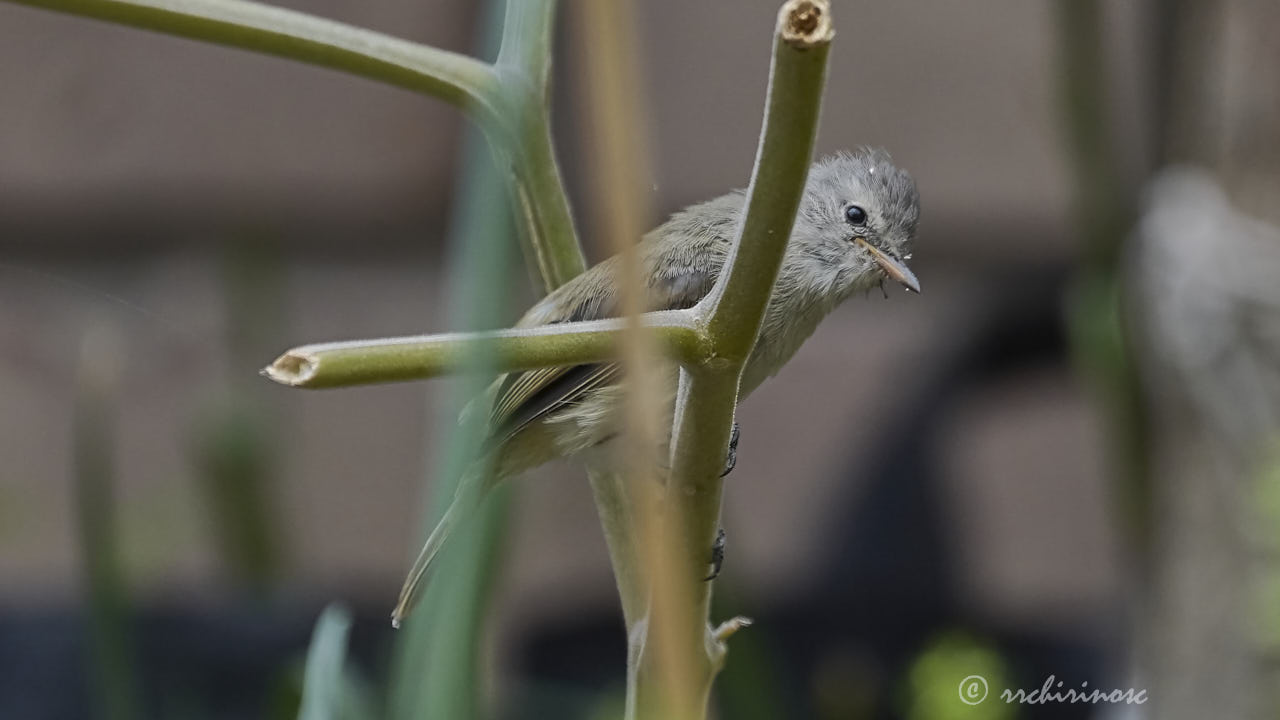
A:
(1057, 461)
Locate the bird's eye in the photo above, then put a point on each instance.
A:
(855, 215)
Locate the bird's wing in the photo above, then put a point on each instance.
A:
(690, 269)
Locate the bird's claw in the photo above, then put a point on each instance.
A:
(717, 557)
(731, 457)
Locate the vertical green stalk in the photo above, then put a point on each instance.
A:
(1105, 203)
(628, 496)
(111, 663)
(526, 145)
(676, 654)
(234, 448)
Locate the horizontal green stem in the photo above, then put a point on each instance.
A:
(362, 362)
(460, 80)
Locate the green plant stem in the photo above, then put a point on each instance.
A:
(796, 80)
(708, 392)
(549, 238)
(524, 71)
(620, 525)
(460, 80)
(527, 32)
(361, 362)
(1106, 205)
(111, 662)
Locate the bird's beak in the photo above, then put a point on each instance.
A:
(892, 266)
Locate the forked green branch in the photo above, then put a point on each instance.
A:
(712, 341)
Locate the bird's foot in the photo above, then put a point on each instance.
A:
(731, 457)
(717, 557)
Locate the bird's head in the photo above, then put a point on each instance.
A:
(857, 221)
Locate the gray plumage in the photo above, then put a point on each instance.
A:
(543, 414)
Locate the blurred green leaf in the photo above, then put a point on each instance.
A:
(437, 668)
(323, 696)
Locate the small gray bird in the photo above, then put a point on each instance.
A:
(854, 228)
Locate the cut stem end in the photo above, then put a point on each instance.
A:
(292, 368)
(806, 23)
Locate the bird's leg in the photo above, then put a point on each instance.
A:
(730, 460)
(717, 556)
(731, 457)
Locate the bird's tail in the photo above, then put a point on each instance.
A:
(471, 492)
